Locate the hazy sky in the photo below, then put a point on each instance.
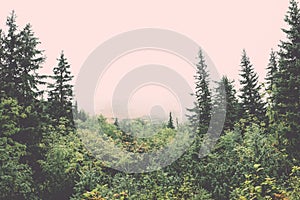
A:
(221, 28)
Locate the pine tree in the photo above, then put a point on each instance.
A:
(252, 106)
(60, 92)
(226, 95)
(287, 82)
(201, 112)
(170, 122)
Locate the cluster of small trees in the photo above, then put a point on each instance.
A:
(43, 157)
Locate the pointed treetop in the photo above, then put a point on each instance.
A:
(170, 122)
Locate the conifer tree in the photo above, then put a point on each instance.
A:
(271, 70)
(2, 93)
(31, 61)
(252, 106)
(60, 92)
(9, 62)
(287, 82)
(201, 113)
(271, 75)
(20, 62)
(170, 122)
(116, 123)
(226, 94)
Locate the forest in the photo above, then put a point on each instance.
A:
(45, 149)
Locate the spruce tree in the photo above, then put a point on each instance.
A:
(60, 92)
(170, 122)
(1, 54)
(271, 75)
(20, 62)
(10, 46)
(252, 106)
(31, 60)
(201, 112)
(271, 70)
(226, 94)
(2, 65)
(287, 81)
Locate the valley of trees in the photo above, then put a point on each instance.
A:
(43, 156)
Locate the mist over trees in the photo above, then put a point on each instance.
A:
(43, 156)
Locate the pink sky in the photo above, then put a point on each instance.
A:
(221, 28)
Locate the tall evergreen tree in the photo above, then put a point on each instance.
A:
(226, 94)
(287, 82)
(201, 113)
(271, 70)
(21, 59)
(252, 106)
(170, 122)
(30, 62)
(271, 75)
(60, 92)
(9, 58)
(2, 64)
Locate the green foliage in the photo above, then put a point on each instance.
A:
(225, 101)
(43, 156)
(19, 62)
(252, 105)
(156, 185)
(271, 77)
(116, 123)
(170, 122)
(294, 183)
(200, 114)
(236, 156)
(15, 177)
(63, 158)
(287, 81)
(90, 176)
(258, 186)
(60, 92)
(19, 79)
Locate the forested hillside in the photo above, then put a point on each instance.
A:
(44, 136)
